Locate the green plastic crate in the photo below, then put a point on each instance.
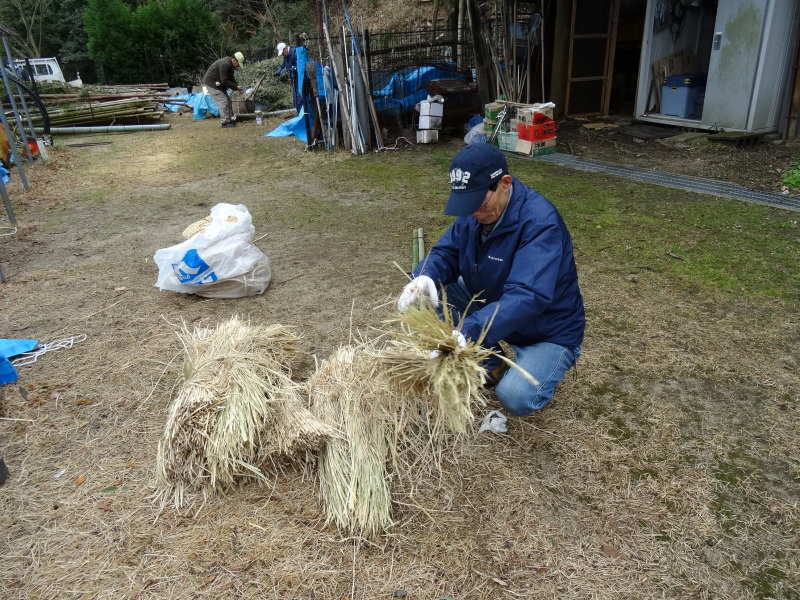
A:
(507, 141)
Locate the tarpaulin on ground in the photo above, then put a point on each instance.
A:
(295, 126)
(9, 348)
(405, 90)
(200, 103)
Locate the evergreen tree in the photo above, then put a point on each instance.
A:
(179, 38)
(110, 31)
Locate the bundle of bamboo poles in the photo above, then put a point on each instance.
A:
(116, 112)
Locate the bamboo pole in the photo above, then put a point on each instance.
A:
(414, 250)
(339, 82)
(433, 24)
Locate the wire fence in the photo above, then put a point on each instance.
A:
(389, 52)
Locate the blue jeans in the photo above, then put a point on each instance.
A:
(546, 362)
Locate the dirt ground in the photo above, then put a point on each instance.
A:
(668, 468)
(615, 140)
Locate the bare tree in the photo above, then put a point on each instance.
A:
(29, 15)
(263, 12)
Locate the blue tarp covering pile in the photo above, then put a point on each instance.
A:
(404, 89)
(200, 103)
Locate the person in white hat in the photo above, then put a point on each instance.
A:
(219, 78)
(289, 66)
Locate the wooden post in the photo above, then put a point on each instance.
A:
(558, 76)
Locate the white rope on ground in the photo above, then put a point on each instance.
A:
(12, 232)
(397, 141)
(28, 358)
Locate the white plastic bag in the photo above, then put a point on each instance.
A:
(476, 135)
(219, 261)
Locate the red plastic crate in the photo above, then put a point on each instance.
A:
(544, 131)
(526, 131)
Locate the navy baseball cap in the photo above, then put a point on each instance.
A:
(472, 172)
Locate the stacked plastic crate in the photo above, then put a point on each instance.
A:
(537, 129)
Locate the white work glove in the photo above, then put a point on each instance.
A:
(462, 343)
(495, 421)
(418, 288)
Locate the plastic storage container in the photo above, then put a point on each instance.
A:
(534, 133)
(678, 95)
(507, 141)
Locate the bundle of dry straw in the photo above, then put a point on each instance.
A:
(352, 466)
(424, 359)
(398, 409)
(237, 411)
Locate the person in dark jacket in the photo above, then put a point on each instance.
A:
(509, 247)
(219, 78)
(289, 66)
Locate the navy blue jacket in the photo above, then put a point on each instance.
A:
(289, 62)
(525, 271)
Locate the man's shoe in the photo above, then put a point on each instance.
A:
(229, 124)
(494, 376)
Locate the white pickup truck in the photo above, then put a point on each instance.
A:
(44, 70)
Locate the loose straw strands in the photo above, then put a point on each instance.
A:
(236, 409)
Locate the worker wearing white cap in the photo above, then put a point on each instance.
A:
(218, 80)
(289, 66)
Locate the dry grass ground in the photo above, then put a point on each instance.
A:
(668, 467)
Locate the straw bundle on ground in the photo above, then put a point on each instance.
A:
(398, 409)
(237, 409)
(352, 467)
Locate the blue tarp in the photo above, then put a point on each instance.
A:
(200, 103)
(294, 126)
(9, 348)
(302, 59)
(404, 89)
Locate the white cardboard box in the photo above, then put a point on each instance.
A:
(427, 136)
(433, 109)
(536, 148)
(430, 122)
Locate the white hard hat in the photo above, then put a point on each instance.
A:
(281, 46)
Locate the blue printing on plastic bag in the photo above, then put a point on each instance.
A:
(193, 269)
